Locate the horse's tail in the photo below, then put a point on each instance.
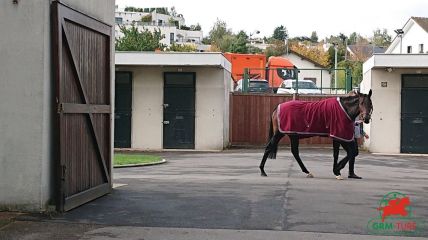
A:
(272, 145)
(271, 127)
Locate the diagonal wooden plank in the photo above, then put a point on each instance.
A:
(85, 99)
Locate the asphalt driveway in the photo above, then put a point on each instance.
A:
(224, 190)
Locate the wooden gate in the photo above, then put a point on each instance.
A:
(81, 59)
(250, 118)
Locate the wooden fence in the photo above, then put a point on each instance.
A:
(250, 118)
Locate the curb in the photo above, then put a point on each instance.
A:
(8, 217)
(141, 164)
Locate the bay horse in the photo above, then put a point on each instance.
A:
(332, 117)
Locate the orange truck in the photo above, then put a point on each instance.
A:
(274, 71)
(279, 69)
(255, 62)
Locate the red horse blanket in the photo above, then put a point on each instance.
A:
(322, 118)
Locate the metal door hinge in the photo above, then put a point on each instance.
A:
(60, 108)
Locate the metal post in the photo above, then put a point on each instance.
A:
(335, 67)
(245, 81)
(321, 82)
(297, 80)
(346, 49)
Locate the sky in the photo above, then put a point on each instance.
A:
(300, 17)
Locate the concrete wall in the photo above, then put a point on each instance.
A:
(212, 106)
(302, 63)
(385, 128)
(26, 143)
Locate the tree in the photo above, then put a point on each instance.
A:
(381, 38)
(352, 38)
(314, 37)
(280, 33)
(340, 55)
(315, 53)
(225, 44)
(276, 49)
(135, 40)
(218, 31)
(221, 37)
(239, 45)
(173, 11)
(356, 68)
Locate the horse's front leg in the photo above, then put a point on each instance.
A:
(294, 139)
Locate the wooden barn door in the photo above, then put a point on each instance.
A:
(81, 62)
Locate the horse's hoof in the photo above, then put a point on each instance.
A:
(310, 175)
(263, 174)
(339, 177)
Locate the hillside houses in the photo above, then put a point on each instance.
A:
(172, 27)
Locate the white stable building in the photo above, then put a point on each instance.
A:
(400, 92)
(171, 100)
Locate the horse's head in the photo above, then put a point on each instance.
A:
(365, 106)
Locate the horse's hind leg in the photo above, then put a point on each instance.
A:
(336, 148)
(295, 151)
(349, 154)
(270, 151)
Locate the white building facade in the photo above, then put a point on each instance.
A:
(399, 80)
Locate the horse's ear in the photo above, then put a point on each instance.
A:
(370, 93)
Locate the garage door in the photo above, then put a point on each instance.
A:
(414, 114)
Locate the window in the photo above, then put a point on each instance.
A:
(311, 78)
(171, 38)
(409, 49)
(118, 20)
(421, 48)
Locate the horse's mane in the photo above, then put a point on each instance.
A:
(351, 104)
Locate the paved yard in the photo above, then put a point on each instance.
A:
(225, 191)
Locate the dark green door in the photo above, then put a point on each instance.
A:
(414, 114)
(179, 111)
(123, 110)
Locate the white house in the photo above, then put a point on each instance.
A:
(412, 38)
(400, 93)
(172, 100)
(160, 22)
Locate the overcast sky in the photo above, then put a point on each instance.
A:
(301, 17)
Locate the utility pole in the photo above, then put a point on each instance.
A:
(400, 33)
(285, 40)
(335, 66)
